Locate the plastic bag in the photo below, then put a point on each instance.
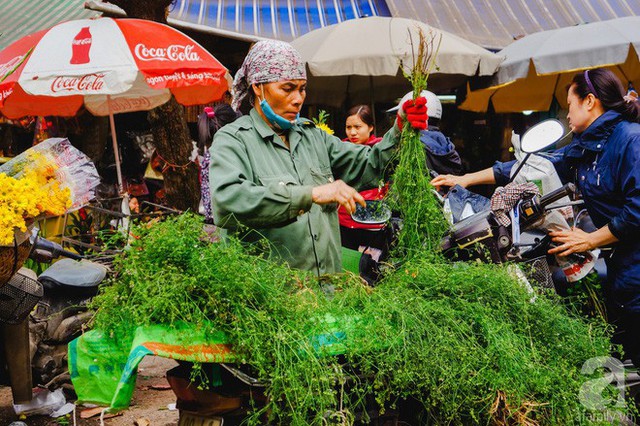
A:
(43, 403)
(56, 156)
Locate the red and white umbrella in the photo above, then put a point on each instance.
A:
(109, 66)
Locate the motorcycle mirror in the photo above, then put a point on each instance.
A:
(541, 136)
(375, 213)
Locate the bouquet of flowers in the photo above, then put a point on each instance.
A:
(47, 180)
(321, 122)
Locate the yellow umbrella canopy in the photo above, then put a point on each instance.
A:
(538, 67)
(533, 93)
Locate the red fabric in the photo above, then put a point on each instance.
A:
(13, 60)
(370, 194)
(170, 59)
(415, 113)
(373, 139)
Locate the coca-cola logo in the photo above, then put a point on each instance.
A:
(85, 83)
(175, 53)
(9, 66)
(82, 41)
(5, 94)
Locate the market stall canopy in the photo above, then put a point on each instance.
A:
(494, 24)
(20, 18)
(538, 67)
(382, 47)
(255, 20)
(488, 23)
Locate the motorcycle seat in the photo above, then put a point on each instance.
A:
(73, 275)
(469, 230)
(476, 220)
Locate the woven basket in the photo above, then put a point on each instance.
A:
(12, 257)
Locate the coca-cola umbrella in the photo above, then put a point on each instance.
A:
(109, 66)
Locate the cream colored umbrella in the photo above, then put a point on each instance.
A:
(538, 67)
(361, 58)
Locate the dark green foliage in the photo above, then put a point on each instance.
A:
(411, 193)
(411, 190)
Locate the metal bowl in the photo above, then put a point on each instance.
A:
(375, 213)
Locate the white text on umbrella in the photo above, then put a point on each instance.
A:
(175, 52)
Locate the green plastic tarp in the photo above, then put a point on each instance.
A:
(104, 373)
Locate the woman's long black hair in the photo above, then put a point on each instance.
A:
(209, 124)
(609, 90)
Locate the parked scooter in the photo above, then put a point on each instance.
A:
(61, 313)
(35, 340)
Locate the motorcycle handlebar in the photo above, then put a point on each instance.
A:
(559, 193)
(54, 249)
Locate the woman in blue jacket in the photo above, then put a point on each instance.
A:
(603, 160)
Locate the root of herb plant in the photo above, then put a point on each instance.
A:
(502, 414)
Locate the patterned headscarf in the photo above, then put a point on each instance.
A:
(268, 61)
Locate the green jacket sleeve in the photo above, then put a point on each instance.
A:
(239, 197)
(363, 167)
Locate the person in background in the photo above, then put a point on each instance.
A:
(209, 122)
(359, 126)
(275, 175)
(603, 161)
(354, 235)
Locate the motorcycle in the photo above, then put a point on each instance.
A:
(41, 314)
(482, 236)
(516, 229)
(59, 316)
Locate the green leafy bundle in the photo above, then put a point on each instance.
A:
(411, 191)
(452, 339)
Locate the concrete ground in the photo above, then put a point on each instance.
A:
(148, 406)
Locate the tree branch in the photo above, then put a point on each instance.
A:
(152, 10)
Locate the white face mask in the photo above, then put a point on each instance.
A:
(275, 119)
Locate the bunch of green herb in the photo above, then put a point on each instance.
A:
(451, 339)
(411, 191)
(172, 275)
(459, 343)
(586, 297)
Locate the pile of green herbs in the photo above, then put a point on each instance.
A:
(452, 338)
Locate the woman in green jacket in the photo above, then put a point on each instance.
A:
(281, 177)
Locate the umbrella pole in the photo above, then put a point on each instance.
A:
(373, 109)
(114, 140)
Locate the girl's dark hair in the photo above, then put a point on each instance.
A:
(605, 86)
(223, 114)
(363, 112)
